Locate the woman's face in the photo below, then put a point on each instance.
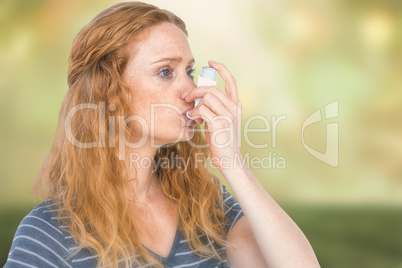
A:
(160, 69)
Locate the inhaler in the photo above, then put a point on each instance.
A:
(207, 78)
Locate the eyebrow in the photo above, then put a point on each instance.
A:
(173, 59)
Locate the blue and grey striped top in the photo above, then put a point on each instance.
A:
(40, 242)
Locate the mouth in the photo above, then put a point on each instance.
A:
(189, 122)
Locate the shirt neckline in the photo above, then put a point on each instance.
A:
(172, 250)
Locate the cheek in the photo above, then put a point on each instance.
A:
(164, 110)
(169, 125)
(166, 116)
(156, 108)
(143, 101)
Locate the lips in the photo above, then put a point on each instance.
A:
(189, 109)
(189, 122)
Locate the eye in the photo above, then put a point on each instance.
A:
(166, 73)
(190, 73)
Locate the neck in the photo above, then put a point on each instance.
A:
(140, 166)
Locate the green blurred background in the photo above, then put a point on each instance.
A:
(289, 58)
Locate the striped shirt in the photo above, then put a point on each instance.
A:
(41, 242)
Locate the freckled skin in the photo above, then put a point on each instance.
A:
(149, 84)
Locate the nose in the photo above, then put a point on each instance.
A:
(186, 85)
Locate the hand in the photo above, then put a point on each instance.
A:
(222, 114)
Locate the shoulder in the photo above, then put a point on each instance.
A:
(39, 240)
(42, 219)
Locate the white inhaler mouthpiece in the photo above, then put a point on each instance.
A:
(207, 78)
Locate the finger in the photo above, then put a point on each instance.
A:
(201, 111)
(230, 82)
(214, 104)
(199, 121)
(212, 122)
(201, 92)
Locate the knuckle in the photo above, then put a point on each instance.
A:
(232, 79)
(219, 124)
(222, 124)
(207, 97)
(201, 108)
(210, 90)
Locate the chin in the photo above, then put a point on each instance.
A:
(168, 139)
(186, 134)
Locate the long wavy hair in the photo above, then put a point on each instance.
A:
(83, 174)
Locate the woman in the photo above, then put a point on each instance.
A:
(125, 180)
